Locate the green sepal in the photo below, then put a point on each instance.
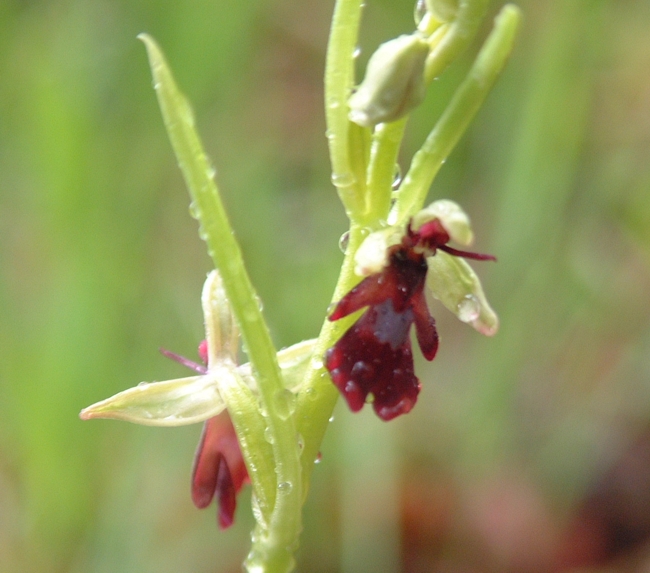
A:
(171, 403)
(453, 282)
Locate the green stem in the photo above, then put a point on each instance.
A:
(318, 395)
(457, 37)
(381, 170)
(339, 80)
(460, 111)
(273, 551)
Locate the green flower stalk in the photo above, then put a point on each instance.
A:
(265, 420)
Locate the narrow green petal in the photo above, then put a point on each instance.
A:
(171, 403)
(453, 282)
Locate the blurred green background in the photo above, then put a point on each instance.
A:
(515, 442)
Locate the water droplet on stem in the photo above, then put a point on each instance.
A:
(419, 11)
(344, 241)
(285, 486)
(397, 177)
(285, 403)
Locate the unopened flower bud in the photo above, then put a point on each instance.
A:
(394, 82)
(443, 10)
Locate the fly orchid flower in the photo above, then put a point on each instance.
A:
(220, 468)
(373, 359)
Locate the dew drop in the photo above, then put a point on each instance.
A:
(318, 459)
(285, 403)
(419, 11)
(331, 418)
(397, 177)
(268, 435)
(356, 52)
(469, 308)
(194, 210)
(350, 387)
(316, 363)
(343, 180)
(143, 384)
(285, 486)
(344, 241)
(361, 371)
(257, 511)
(254, 563)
